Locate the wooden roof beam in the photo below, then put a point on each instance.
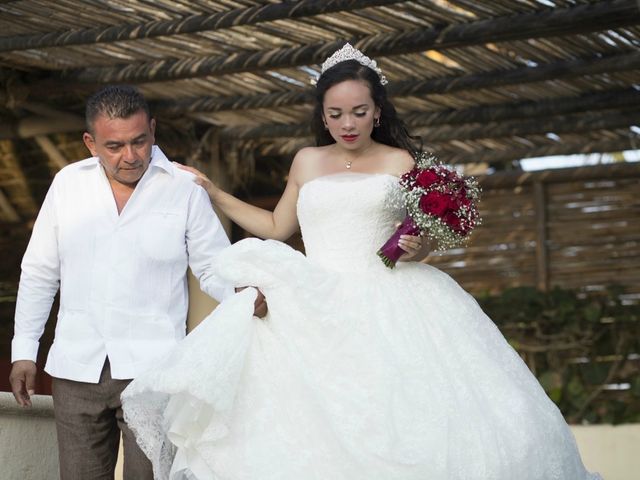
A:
(579, 19)
(573, 123)
(605, 100)
(183, 25)
(56, 159)
(561, 175)
(8, 212)
(26, 204)
(495, 155)
(416, 86)
(37, 125)
(44, 121)
(470, 123)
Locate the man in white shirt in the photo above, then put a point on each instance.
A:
(116, 233)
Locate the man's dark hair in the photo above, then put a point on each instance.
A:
(114, 101)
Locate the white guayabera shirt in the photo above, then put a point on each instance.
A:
(122, 278)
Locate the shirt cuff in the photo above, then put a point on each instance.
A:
(24, 349)
(224, 292)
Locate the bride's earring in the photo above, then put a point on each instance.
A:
(376, 122)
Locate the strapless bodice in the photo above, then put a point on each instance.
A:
(346, 217)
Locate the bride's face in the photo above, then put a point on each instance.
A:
(349, 113)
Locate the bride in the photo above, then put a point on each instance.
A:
(357, 372)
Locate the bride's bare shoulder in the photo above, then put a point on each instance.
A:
(308, 162)
(398, 159)
(311, 154)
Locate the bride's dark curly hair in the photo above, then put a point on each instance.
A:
(392, 131)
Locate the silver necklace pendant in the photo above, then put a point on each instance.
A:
(348, 164)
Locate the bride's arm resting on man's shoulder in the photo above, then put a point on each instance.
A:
(283, 221)
(278, 225)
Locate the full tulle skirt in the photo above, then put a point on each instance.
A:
(361, 375)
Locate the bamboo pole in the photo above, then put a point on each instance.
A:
(185, 25)
(571, 123)
(9, 213)
(56, 159)
(455, 155)
(515, 153)
(587, 102)
(416, 86)
(560, 175)
(35, 126)
(579, 19)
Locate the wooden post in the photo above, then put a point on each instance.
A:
(218, 174)
(542, 273)
(200, 304)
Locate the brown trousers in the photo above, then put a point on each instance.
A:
(88, 423)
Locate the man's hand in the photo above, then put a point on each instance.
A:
(23, 381)
(260, 305)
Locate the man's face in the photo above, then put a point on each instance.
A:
(123, 146)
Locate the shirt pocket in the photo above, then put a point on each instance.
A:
(136, 337)
(162, 236)
(77, 336)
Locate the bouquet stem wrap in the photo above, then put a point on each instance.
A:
(390, 252)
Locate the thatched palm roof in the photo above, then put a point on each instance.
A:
(480, 81)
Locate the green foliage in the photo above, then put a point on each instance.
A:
(583, 348)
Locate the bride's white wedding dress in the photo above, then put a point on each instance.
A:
(358, 372)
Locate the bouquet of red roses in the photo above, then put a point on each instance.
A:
(441, 204)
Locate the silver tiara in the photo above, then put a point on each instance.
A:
(350, 53)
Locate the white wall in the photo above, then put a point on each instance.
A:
(28, 444)
(612, 451)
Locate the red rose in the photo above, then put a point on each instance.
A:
(427, 177)
(454, 203)
(435, 203)
(453, 221)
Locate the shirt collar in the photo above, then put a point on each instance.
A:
(160, 160)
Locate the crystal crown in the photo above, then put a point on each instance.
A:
(348, 52)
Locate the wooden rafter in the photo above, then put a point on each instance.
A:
(45, 121)
(607, 100)
(579, 19)
(56, 159)
(548, 120)
(185, 25)
(8, 212)
(494, 155)
(36, 125)
(560, 124)
(417, 86)
(616, 170)
(27, 206)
